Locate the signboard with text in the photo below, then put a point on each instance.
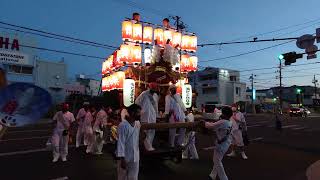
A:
(11, 57)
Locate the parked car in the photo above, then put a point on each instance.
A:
(301, 112)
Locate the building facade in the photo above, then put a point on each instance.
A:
(92, 86)
(23, 65)
(217, 86)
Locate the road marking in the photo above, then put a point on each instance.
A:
(257, 125)
(28, 131)
(208, 148)
(298, 128)
(61, 178)
(289, 126)
(256, 139)
(23, 152)
(21, 139)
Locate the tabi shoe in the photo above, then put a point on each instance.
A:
(232, 154)
(55, 159)
(64, 159)
(244, 156)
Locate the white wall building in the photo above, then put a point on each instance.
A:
(217, 86)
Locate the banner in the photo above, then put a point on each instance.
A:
(8, 57)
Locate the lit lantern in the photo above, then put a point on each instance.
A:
(125, 53)
(179, 85)
(136, 54)
(193, 42)
(158, 36)
(105, 85)
(116, 59)
(176, 39)
(147, 34)
(193, 63)
(168, 34)
(137, 32)
(126, 30)
(116, 80)
(184, 64)
(147, 56)
(128, 92)
(185, 42)
(187, 95)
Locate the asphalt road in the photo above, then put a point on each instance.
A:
(272, 155)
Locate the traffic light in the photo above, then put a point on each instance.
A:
(290, 57)
(298, 91)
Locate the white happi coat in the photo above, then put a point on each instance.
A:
(149, 106)
(101, 120)
(237, 119)
(175, 106)
(128, 141)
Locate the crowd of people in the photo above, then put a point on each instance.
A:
(94, 123)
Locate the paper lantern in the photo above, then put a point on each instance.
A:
(116, 80)
(176, 39)
(128, 92)
(179, 85)
(147, 34)
(116, 59)
(125, 53)
(193, 63)
(126, 30)
(137, 33)
(168, 34)
(158, 36)
(184, 63)
(147, 56)
(187, 95)
(105, 85)
(193, 42)
(136, 54)
(107, 65)
(185, 42)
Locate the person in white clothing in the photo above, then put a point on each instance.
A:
(190, 146)
(80, 120)
(148, 101)
(238, 125)
(175, 111)
(128, 145)
(222, 129)
(60, 135)
(88, 129)
(98, 129)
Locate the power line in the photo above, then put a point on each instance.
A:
(52, 37)
(62, 52)
(249, 52)
(54, 34)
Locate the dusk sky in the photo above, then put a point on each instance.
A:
(211, 20)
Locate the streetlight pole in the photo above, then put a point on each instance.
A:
(252, 94)
(280, 90)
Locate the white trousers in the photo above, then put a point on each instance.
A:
(173, 132)
(191, 149)
(81, 134)
(59, 144)
(89, 139)
(218, 168)
(131, 173)
(149, 138)
(98, 143)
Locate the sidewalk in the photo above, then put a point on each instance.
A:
(313, 171)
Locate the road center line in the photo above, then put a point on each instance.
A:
(21, 139)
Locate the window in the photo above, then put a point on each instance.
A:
(233, 78)
(208, 77)
(238, 91)
(20, 69)
(209, 90)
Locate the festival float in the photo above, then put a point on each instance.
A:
(151, 53)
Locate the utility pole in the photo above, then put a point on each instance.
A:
(280, 88)
(315, 81)
(252, 94)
